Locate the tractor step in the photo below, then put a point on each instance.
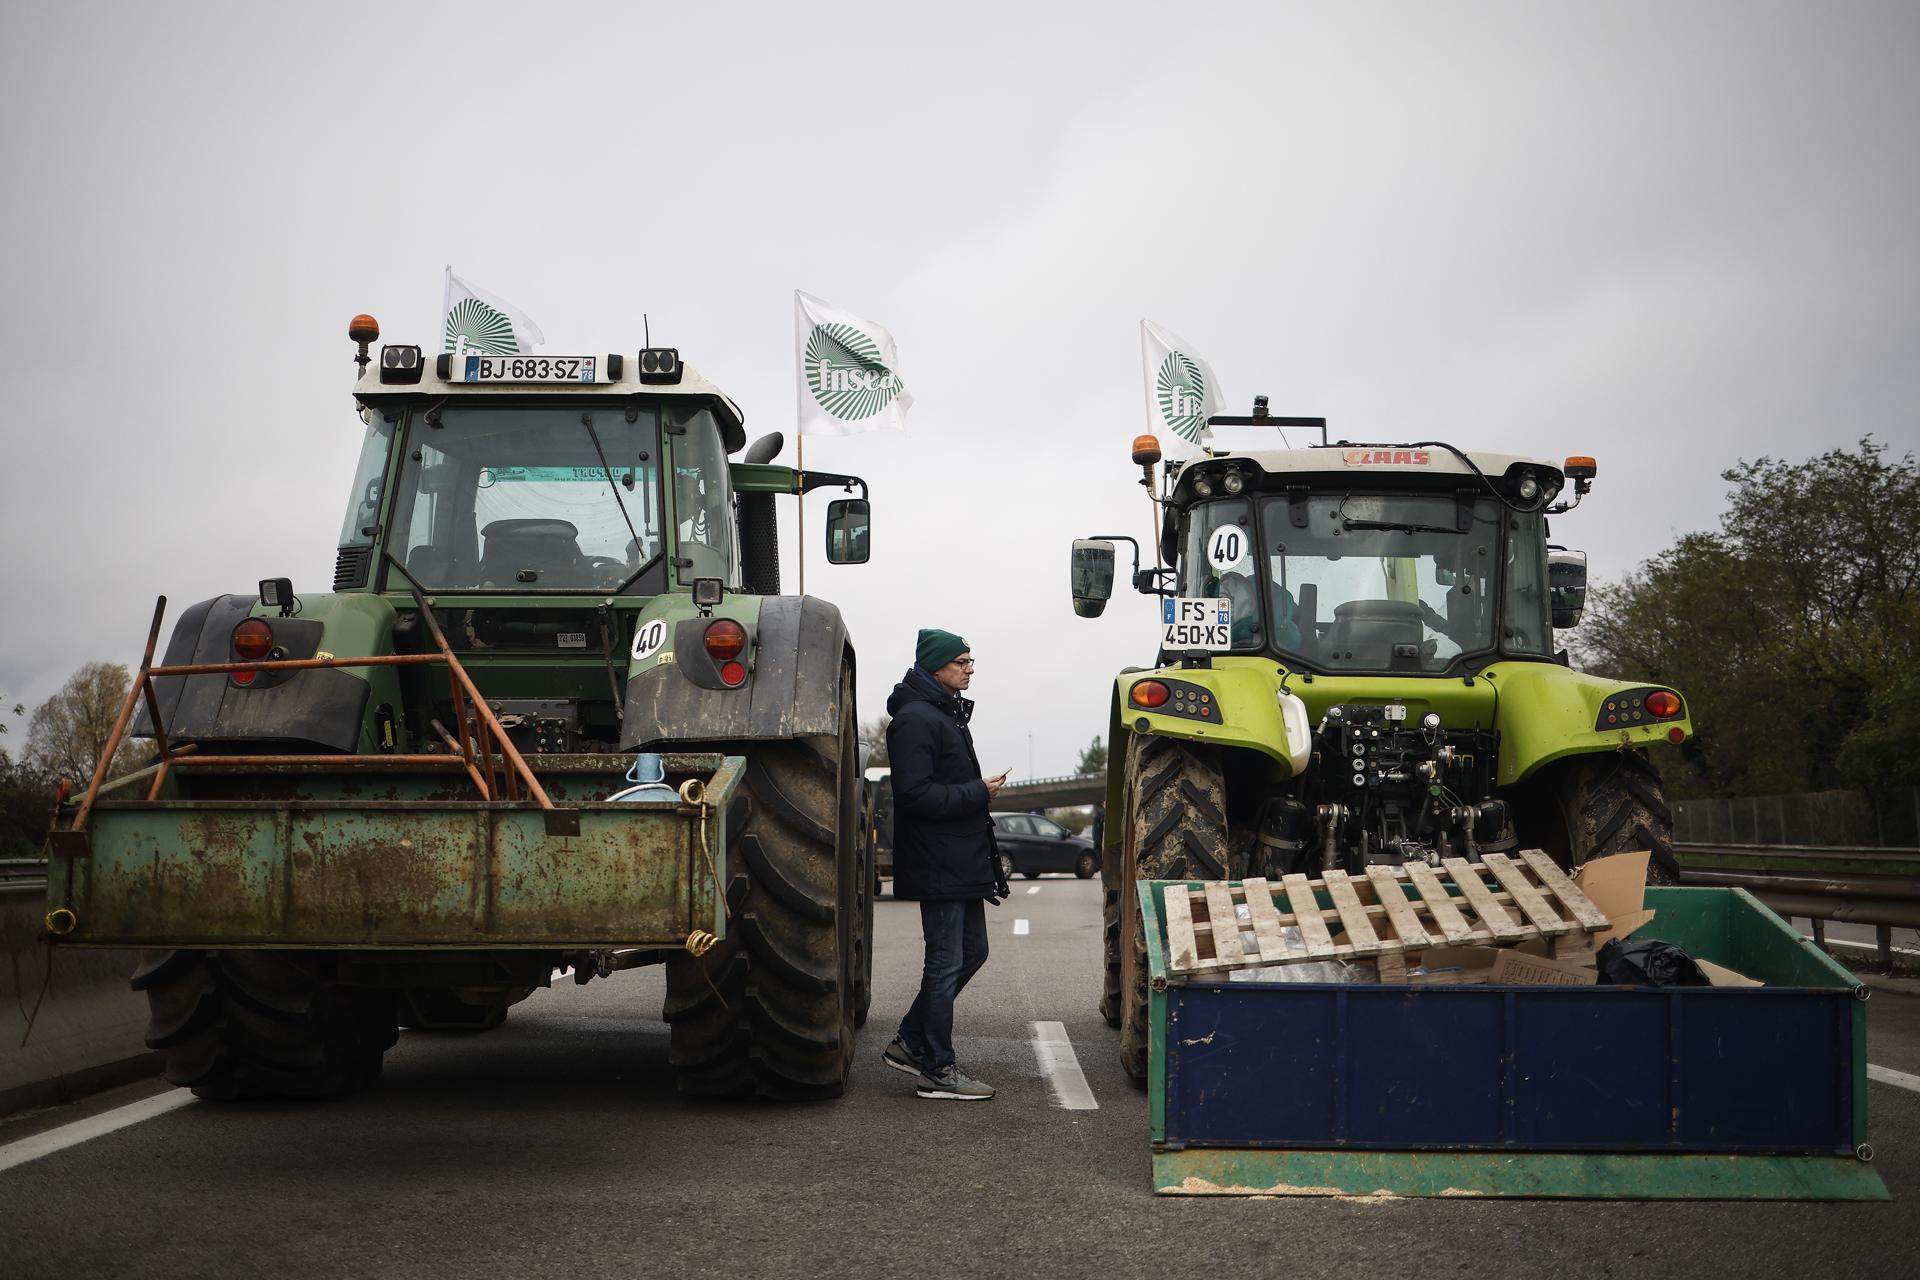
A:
(1386, 913)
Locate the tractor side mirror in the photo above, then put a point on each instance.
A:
(1091, 572)
(849, 531)
(1567, 587)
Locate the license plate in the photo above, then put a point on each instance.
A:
(1196, 622)
(530, 369)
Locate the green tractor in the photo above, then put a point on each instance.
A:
(1357, 666)
(555, 714)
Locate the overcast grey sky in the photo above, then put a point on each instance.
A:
(1670, 235)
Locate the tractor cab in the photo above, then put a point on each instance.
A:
(598, 475)
(1361, 559)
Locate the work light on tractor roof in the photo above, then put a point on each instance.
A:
(556, 589)
(1357, 668)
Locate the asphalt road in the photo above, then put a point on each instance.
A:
(556, 1146)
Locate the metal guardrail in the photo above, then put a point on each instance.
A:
(22, 876)
(1853, 884)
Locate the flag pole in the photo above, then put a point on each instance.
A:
(800, 442)
(801, 527)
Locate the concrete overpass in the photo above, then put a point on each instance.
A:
(1053, 793)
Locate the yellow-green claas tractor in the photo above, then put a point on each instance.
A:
(1357, 666)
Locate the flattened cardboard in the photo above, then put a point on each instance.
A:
(1721, 976)
(1618, 886)
(1517, 968)
(1617, 883)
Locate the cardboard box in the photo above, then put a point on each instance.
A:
(1518, 968)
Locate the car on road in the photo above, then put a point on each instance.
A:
(1030, 844)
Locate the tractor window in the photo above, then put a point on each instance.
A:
(1217, 559)
(702, 500)
(1349, 593)
(506, 498)
(1527, 625)
(363, 500)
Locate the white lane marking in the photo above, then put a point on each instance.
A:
(1035, 889)
(1062, 1067)
(1020, 927)
(1898, 1079)
(69, 1135)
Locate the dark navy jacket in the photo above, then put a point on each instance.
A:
(943, 847)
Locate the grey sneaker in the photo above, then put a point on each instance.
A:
(953, 1085)
(901, 1058)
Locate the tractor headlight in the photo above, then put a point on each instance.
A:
(1233, 482)
(1202, 488)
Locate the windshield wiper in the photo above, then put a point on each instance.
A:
(1399, 528)
(586, 420)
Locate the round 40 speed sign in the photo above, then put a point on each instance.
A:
(1227, 547)
(649, 639)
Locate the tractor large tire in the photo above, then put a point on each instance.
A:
(772, 1008)
(1614, 803)
(239, 1025)
(1111, 985)
(1176, 830)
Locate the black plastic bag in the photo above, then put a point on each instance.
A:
(1648, 964)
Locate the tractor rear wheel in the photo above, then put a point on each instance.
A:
(1614, 803)
(772, 1008)
(1176, 830)
(262, 1024)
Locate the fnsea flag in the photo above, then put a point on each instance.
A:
(475, 320)
(1182, 392)
(849, 372)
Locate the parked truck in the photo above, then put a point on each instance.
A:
(1357, 666)
(554, 715)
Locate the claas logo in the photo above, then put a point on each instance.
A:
(1400, 457)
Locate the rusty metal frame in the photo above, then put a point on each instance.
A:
(481, 743)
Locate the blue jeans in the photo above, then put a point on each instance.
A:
(956, 934)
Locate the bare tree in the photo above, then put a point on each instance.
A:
(873, 736)
(69, 730)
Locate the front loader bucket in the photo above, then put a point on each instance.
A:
(310, 855)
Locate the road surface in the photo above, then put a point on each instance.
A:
(555, 1146)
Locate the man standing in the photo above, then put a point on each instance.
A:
(943, 854)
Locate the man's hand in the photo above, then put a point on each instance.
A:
(995, 783)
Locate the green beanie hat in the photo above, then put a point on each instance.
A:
(937, 648)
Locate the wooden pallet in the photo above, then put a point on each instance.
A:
(1387, 912)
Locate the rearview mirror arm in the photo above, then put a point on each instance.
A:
(811, 480)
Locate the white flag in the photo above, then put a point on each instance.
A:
(849, 372)
(475, 320)
(1182, 392)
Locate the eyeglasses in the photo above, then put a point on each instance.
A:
(962, 662)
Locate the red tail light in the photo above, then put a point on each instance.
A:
(1663, 704)
(1150, 693)
(252, 641)
(725, 640)
(733, 674)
